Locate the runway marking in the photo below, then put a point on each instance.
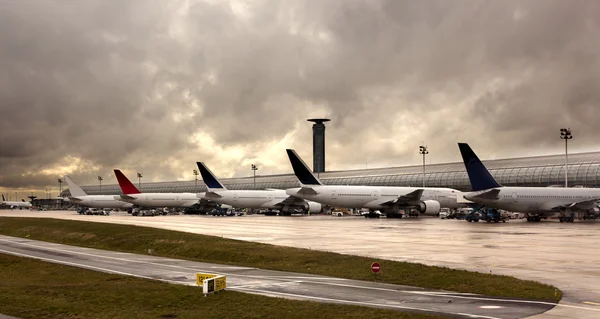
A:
(430, 293)
(362, 303)
(476, 316)
(592, 303)
(263, 284)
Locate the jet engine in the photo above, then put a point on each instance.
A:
(429, 207)
(313, 207)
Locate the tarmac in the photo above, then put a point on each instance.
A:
(561, 254)
(277, 283)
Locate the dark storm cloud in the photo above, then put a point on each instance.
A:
(126, 84)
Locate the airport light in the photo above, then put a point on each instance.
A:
(423, 151)
(139, 175)
(565, 134)
(254, 169)
(196, 180)
(100, 181)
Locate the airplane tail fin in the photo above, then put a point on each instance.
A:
(73, 187)
(3, 199)
(126, 186)
(22, 200)
(209, 178)
(479, 176)
(303, 173)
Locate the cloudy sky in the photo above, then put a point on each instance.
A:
(153, 86)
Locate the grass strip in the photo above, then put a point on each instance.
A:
(37, 289)
(136, 239)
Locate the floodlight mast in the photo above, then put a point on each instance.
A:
(565, 134)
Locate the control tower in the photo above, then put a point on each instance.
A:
(318, 144)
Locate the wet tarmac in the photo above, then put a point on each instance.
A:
(277, 283)
(561, 254)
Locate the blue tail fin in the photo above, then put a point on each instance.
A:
(479, 176)
(209, 178)
(303, 173)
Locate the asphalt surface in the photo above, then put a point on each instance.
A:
(561, 254)
(279, 284)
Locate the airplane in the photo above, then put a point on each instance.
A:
(81, 198)
(536, 202)
(390, 200)
(132, 195)
(22, 204)
(270, 199)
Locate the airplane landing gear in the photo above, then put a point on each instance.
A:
(566, 219)
(534, 218)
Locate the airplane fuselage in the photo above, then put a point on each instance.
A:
(372, 197)
(538, 200)
(99, 201)
(248, 198)
(17, 204)
(160, 199)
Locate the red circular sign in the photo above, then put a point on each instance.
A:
(375, 267)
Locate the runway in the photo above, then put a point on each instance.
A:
(278, 284)
(564, 255)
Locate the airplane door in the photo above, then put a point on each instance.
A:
(514, 197)
(333, 194)
(235, 198)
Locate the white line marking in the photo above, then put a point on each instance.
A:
(476, 316)
(592, 303)
(266, 284)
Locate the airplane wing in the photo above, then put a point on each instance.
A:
(74, 199)
(292, 200)
(123, 196)
(212, 194)
(491, 194)
(307, 190)
(411, 197)
(582, 205)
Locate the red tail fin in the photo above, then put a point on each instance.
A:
(126, 186)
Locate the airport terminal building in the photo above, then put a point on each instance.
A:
(584, 170)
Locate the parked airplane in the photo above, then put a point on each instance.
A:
(132, 195)
(270, 199)
(79, 197)
(20, 205)
(536, 202)
(390, 200)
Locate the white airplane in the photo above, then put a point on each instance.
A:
(270, 199)
(132, 195)
(79, 197)
(536, 202)
(20, 205)
(389, 200)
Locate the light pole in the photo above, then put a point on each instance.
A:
(60, 192)
(100, 181)
(565, 134)
(140, 181)
(196, 180)
(254, 169)
(423, 151)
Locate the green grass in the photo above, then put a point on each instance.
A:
(196, 247)
(35, 289)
